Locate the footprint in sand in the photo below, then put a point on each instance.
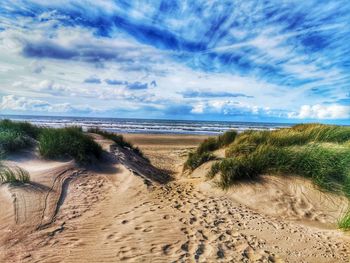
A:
(110, 236)
(166, 249)
(148, 229)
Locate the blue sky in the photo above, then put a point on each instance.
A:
(283, 61)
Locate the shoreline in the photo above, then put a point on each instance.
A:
(150, 126)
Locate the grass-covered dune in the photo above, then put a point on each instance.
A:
(205, 149)
(16, 135)
(315, 151)
(13, 175)
(69, 142)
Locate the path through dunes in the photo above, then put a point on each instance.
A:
(126, 213)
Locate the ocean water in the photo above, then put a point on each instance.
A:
(147, 126)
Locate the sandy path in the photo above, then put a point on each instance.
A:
(134, 223)
(126, 213)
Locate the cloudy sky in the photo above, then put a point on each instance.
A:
(243, 60)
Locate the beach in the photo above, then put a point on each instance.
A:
(128, 210)
(174, 131)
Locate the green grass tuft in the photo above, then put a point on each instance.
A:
(68, 142)
(53, 143)
(208, 145)
(212, 143)
(226, 138)
(15, 136)
(195, 159)
(344, 222)
(328, 166)
(297, 135)
(203, 152)
(13, 175)
(20, 127)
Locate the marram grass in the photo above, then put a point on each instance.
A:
(13, 175)
(205, 149)
(195, 159)
(52, 143)
(68, 142)
(15, 136)
(315, 151)
(344, 221)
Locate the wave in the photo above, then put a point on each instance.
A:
(148, 126)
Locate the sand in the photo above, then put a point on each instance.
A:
(127, 210)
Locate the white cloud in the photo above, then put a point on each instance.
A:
(23, 104)
(52, 87)
(322, 112)
(226, 107)
(198, 108)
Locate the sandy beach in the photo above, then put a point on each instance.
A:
(156, 131)
(127, 210)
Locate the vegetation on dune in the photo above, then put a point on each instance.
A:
(315, 151)
(344, 222)
(212, 143)
(208, 145)
(20, 127)
(327, 166)
(205, 149)
(12, 141)
(226, 138)
(319, 152)
(15, 136)
(68, 142)
(297, 135)
(52, 143)
(195, 159)
(13, 175)
(119, 140)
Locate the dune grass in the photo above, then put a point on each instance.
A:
(195, 159)
(68, 142)
(344, 222)
(53, 143)
(13, 175)
(15, 136)
(205, 149)
(319, 152)
(326, 165)
(214, 143)
(297, 135)
(119, 140)
(21, 127)
(315, 151)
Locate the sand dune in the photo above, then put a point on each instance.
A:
(126, 210)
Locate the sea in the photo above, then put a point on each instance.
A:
(147, 126)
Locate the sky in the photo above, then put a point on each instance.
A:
(243, 60)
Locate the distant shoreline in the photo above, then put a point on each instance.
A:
(148, 126)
